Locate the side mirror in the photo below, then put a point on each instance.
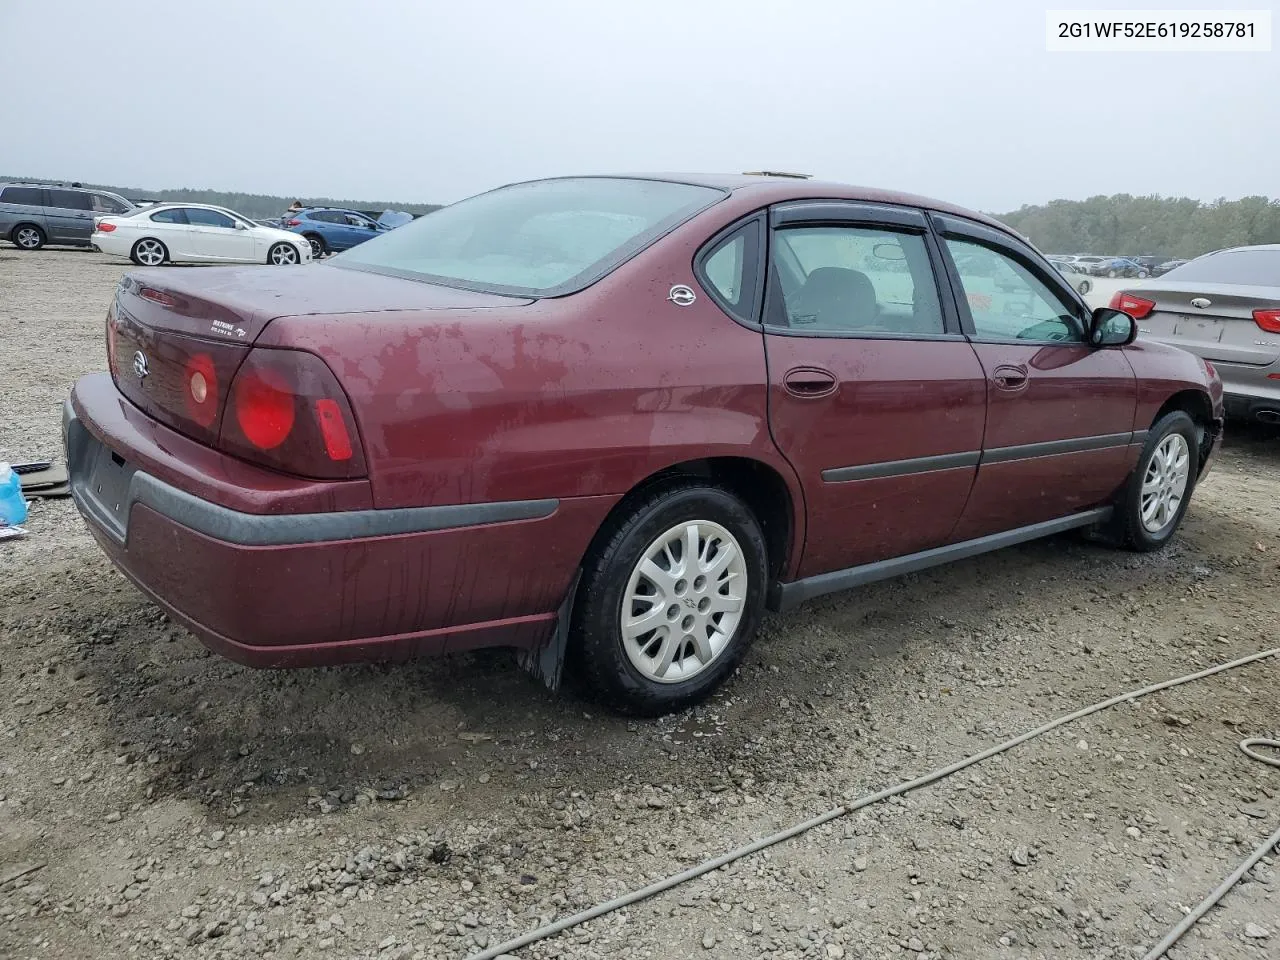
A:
(1111, 328)
(240, 226)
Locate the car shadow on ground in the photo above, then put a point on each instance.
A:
(270, 745)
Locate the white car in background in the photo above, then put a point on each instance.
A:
(195, 233)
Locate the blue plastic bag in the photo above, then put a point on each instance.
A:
(13, 506)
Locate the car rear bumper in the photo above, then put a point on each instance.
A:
(281, 589)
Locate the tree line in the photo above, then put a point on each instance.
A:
(256, 206)
(1125, 225)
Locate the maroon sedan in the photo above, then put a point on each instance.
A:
(608, 420)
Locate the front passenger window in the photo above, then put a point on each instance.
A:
(855, 281)
(1008, 301)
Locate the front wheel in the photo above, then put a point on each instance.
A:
(1112, 274)
(283, 254)
(1085, 287)
(670, 600)
(1159, 489)
(1142, 274)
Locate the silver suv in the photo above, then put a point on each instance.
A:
(33, 214)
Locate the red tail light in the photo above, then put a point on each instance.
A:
(1268, 320)
(285, 410)
(293, 223)
(1134, 306)
(106, 227)
(157, 296)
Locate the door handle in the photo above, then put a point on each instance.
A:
(809, 383)
(1008, 377)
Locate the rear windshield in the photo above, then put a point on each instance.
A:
(1258, 268)
(540, 239)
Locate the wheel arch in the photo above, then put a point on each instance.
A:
(1197, 405)
(760, 485)
(13, 231)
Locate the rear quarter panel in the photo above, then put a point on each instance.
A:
(581, 396)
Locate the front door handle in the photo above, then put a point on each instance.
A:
(1009, 377)
(809, 383)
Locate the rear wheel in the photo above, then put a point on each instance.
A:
(670, 600)
(1112, 274)
(1085, 287)
(1142, 274)
(1159, 489)
(149, 252)
(318, 247)
(283, 254)
(27, 236)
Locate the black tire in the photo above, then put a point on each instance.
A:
(27, 236)
(1085, 287)
(1128, 529)
(1112, 274)
(597, 648)
(133, 253)
(318, 247)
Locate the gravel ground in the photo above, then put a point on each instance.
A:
(178, 805)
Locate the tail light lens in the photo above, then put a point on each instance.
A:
(1268, 320)
(106, 227)
(293, 223)
(201, 394)
(1134, 306)
(286, 411)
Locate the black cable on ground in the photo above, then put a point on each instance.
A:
(675, 880)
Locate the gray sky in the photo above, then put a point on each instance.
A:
(431, 101)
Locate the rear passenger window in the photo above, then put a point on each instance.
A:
(173, 215)
(855, 280)
(27, 195)
(69, 200)
(730, 272)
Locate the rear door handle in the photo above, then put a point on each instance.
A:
(1008, 377)
(809, 383)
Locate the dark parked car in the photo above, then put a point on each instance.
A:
(332, 230)
(1120, 267)
(33, 214)
(611, 419)
(1224, 307)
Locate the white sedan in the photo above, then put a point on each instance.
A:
(195, 233)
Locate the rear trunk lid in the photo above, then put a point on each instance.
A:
(176, 337)
(1212, 320)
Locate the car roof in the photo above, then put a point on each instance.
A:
(1252, 246)
(779, 188)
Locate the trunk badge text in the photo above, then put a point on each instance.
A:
(140, 365)
(681, 295)
(1201, 302)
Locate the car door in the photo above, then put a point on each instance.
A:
(875, 396)
(356, 230)
(1059, 436)
(169, 226)
(215, 236)
(69, 216)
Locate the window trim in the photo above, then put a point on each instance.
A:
(948, 226)
(753, 268)
(854, 214)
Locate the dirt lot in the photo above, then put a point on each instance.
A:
(183, 806)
